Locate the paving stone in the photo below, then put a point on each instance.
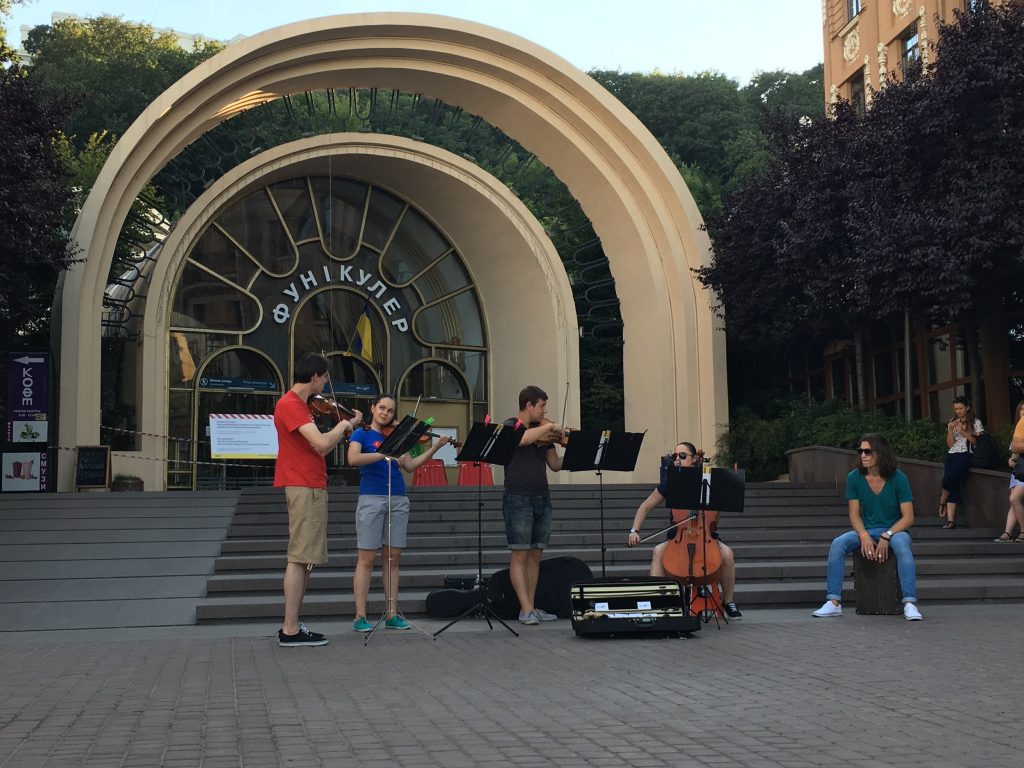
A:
(779, 688)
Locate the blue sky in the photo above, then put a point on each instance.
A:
(734, 37)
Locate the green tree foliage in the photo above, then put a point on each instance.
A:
(117, 67)
(85, 165)
(92, 79)
(795, 95)
(36, 204)
(758, 441)
(913, 205)
(712, 128)
(691, 116)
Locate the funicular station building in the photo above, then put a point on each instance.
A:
(285, 243)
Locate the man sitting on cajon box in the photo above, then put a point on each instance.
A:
(881, 512)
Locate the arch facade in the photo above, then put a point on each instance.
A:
(673, 356)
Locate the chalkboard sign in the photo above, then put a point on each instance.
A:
(92, 466)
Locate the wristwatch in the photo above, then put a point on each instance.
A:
(887, 535)
(633, 530)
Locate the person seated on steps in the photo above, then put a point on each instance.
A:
(881, 509)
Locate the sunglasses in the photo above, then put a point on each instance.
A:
(675, 456)
(865, 451)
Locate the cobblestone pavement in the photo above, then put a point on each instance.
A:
(775, 689)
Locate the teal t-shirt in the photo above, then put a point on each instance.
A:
(883, 509)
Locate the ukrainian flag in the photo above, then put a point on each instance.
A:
(362, 343)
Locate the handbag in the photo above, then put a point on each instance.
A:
(985, 452)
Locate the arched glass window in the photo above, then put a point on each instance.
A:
(322, 264)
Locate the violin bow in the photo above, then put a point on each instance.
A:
(666, 530)
(334, 399)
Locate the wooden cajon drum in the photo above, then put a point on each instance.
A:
(877, 586)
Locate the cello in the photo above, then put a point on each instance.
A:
(693, 556)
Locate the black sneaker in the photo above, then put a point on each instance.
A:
(311, 633)
(732, 611)
(301, 638)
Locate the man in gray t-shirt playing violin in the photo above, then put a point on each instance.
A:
(526, 504)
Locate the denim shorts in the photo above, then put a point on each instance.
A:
(527, 520)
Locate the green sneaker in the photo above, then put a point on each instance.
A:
(397, 622)
(362, 625)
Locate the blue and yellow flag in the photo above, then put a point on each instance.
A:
(362, 342)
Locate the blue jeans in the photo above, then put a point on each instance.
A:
(850, 542)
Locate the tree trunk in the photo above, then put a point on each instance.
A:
(966, 323)
(858, 356)
(908, 375)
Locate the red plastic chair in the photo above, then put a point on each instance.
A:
(471, 474)
(430, 472)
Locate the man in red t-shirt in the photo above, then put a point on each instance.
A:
(302, 472)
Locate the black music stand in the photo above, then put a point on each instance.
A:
(494, 444)
(595, 449)
(404, 436)
(692, 488)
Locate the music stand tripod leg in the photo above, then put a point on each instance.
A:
(481, 605)
(386, 572)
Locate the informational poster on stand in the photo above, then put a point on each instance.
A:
(24, 472)
(27, 397)
(242, 436)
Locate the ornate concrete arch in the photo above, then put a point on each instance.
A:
(638, 203)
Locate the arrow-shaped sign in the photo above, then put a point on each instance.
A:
(26, 360)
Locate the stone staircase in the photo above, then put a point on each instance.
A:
(99, 560)
(74, 561)
(781, 542)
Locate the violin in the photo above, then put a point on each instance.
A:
(322, 406)
(693, 554)
(554, 437)
(424, 439)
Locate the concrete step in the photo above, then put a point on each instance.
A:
(113, 559)
(781, 543)
(74, 561)
(495, 552)
(747, 572)
(804, 593)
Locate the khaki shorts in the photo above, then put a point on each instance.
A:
(307, 525)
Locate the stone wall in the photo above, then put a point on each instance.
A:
(985, 496)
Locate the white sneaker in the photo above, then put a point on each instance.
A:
(830, 609)
(910, 612)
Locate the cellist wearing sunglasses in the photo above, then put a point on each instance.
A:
(685, 455)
